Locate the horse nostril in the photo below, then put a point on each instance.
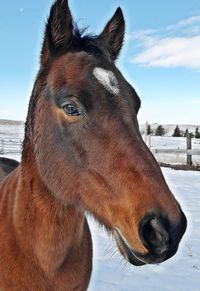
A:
(154, 235)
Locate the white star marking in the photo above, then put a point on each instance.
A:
(107, 79)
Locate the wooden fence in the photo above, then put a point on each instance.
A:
(10, 146)
(14, 146)
(187, 151)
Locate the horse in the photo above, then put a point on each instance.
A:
(7, 166)
(82, 153)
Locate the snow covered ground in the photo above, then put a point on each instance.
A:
(181, 273)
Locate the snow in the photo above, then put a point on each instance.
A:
(180, 273)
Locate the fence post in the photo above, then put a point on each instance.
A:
(189, 147)
(149, 141)
(146, 132)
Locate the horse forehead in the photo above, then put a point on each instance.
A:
(70, 69)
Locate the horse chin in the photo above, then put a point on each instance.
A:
(125, 250)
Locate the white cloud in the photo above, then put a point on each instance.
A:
(140, 34)
(144, 37)
(179, 46)
(196, 101)
(184, 23)
(171, 52)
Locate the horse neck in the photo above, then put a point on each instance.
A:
(43, 224)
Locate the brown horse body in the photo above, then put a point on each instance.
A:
(82, 152)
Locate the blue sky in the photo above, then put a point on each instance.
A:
(161, 55)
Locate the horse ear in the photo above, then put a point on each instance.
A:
(59, 30)
(112, 36)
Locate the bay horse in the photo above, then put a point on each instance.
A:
(82, 152)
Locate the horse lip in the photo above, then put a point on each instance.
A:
(129, 253)
(136, 258)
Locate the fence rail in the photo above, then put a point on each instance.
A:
(14, 146)
(176, 151)
(10, 145)
(188, 150)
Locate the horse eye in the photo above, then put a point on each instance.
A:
(71, 109)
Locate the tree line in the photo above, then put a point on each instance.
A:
(160, 131)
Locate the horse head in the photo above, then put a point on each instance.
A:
(83, 130)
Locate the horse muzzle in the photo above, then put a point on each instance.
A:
(160, 238)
